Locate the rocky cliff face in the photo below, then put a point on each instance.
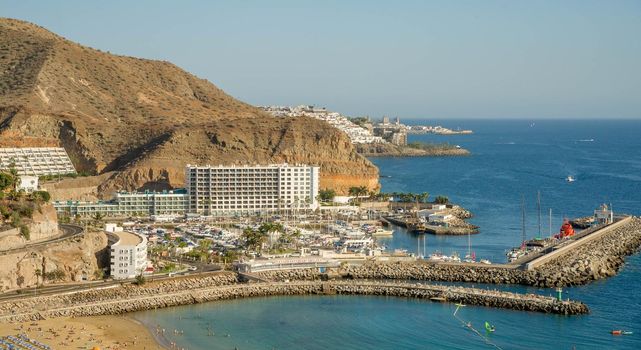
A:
(42, 225)
(78, 259)
(144, 120)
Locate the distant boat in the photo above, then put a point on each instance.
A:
(381, 232)
(457, 146)
(620, 332)
(570, 179)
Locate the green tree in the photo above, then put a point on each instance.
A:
(6, 181)
(140, 280)
(25, 232)
(43, 196)
(98, 216)
(254, 239)
(357, 192)
(420, 198)
(13, 171)
(442, 200)
(326, 195)
(268, 227)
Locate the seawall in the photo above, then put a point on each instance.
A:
(184, 291)
(597, 259)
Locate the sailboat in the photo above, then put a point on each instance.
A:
(516, 253)
(470, 257)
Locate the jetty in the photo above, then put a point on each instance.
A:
(591, 256)
(226, 285)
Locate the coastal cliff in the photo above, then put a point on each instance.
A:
(422, 150)
(141, 121)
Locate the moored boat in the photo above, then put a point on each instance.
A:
(380, 232)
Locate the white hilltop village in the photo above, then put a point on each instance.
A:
(368, 132)
(356, 133)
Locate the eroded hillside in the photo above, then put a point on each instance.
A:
(144, 120)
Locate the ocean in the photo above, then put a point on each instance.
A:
(510, 160)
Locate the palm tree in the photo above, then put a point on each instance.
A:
(13, 171)
(442, 200)
(357, 192)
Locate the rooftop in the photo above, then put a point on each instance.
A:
(128, 238)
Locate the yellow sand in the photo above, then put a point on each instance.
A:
(104, 332)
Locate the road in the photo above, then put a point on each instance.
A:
(68, 232)
(202, 270)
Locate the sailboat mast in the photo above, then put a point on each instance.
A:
(550, 222)
(522, 219)
(538, 206)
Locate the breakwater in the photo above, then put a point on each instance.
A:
(184, 291)
(599, 258)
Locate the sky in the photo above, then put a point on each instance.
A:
(413, 59)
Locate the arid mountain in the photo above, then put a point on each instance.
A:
(143, 120)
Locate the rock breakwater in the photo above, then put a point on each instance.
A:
(598, 259)
(123, 299)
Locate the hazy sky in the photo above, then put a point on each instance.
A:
(431, 59)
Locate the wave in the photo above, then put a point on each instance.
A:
(585, 140)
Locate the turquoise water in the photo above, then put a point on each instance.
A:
(510, 159)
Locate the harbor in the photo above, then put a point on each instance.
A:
(610, 243)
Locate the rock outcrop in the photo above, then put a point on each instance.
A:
(144, 119)
(427, 150)
(42, 225)
(65, 261)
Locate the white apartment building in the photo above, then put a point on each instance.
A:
(37, 161)
(236, 190)
(128, 253)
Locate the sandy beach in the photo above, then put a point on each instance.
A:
(103, 332)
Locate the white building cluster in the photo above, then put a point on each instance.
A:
(37, 161)
(356, 133)
(235, 190)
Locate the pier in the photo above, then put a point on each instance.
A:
(590, 256)
(581, 239)
(129, 298)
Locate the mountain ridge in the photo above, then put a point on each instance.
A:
(144, 119)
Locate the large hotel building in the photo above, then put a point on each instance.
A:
(230, 190)
(217, 191)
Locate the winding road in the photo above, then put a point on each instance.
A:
(68, 232)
